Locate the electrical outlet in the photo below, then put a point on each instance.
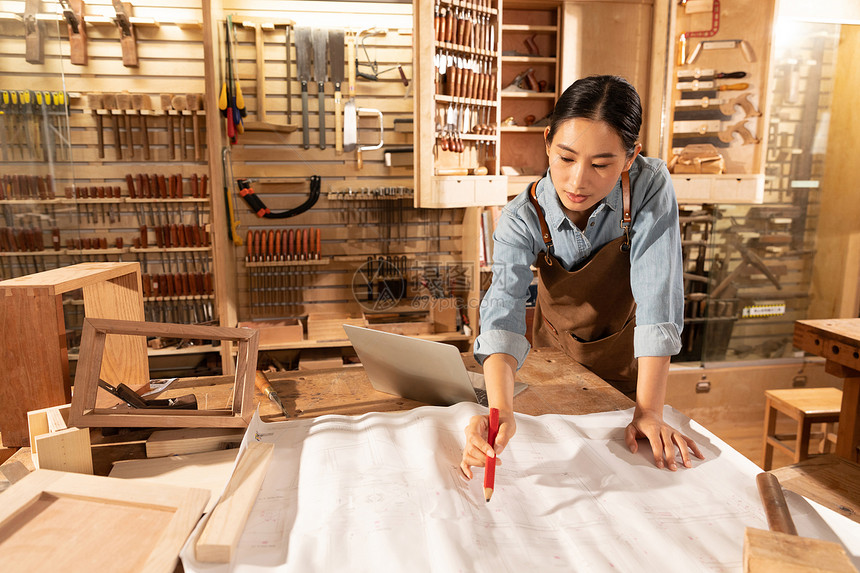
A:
(799, 381)
(703, 386)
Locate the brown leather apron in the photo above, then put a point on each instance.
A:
(589, 312)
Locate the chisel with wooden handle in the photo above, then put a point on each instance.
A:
(265, 387)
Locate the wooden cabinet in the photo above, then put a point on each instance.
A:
(456, 59)
(531, 74)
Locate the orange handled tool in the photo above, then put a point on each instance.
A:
(265, 387)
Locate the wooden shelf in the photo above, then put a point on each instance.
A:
(531, 59)
(528, 28)
(522, 129)
(172, 351)
(345, 343)
(465, 49)
(305, 263)
(467, 101)
(526, 95)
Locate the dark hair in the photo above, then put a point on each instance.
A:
(605, 98)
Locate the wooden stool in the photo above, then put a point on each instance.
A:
(807, 406)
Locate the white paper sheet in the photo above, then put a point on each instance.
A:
(382, 492)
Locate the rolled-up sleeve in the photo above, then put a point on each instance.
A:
(656, 273)
(503, 309)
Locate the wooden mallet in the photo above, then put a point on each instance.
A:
(781, 550)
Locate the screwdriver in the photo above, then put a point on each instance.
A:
(265, 387)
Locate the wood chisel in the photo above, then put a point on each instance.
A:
(303, 56)
(698, 87)
(320, 41)
(335, 51)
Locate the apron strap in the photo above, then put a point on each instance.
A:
(626, 219)
(544, 228)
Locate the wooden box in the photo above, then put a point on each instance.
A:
(33, 350)
(329, 326)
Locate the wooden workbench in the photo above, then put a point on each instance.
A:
(557, 385)
(838, 342)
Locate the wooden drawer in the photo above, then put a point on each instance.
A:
(468, 191)
(719, 188)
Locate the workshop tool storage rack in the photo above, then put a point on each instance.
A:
(718, 93)
(456, 57)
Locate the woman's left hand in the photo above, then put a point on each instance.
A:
(663, 438)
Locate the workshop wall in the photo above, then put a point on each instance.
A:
(377, 218)
(89, 212)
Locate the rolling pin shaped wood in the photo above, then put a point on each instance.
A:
(780, 549)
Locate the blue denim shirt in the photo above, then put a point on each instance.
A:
(656, 273)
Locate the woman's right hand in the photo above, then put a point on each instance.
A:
(477, 448)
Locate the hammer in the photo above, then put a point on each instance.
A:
(781, 549)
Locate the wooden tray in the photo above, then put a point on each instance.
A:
(94, 523)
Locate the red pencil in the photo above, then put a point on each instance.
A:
(490, 466)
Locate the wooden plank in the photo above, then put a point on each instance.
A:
(67, 450)
(776, 552)
(190, 441)
(218, 540)
(206, 470)
(829, 480)
(125, 360)
(148, 523)
(35, 360)
(14, 471)
(58, 281)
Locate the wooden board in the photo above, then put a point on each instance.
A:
(775, 552)
(829, 480)
(206, 470)
(218, 540)
(94, 523)
(190, 441)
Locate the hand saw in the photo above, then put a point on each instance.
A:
(303, 63)
(335, 53)
(320, 41)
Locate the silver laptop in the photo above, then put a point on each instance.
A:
(421, 370)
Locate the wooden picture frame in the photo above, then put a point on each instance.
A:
(95, 523)
(85, 413)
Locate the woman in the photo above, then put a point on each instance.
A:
(621, 314)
